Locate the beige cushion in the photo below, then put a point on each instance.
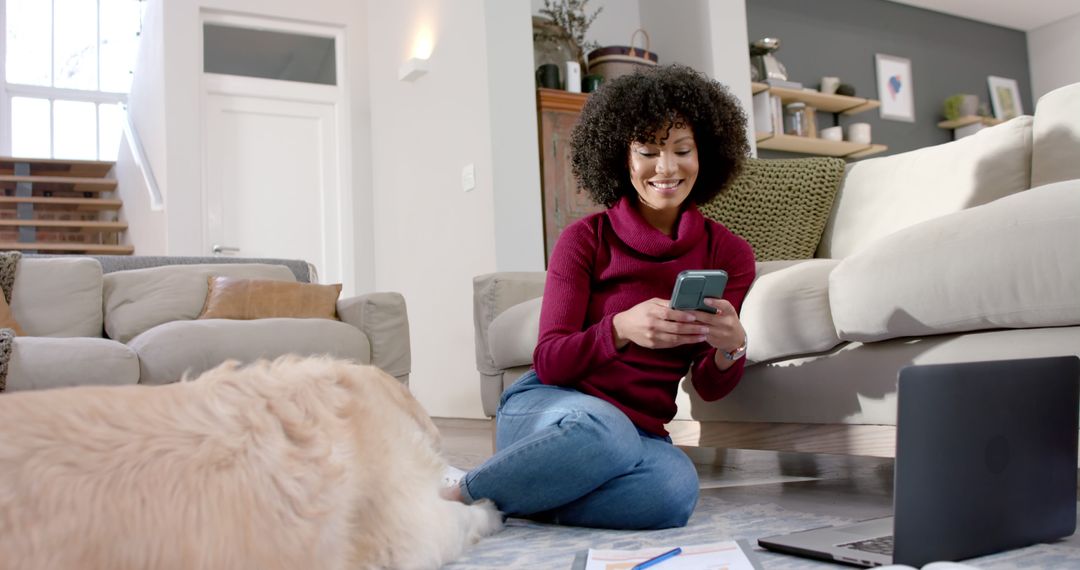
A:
(139, 299)
(514, 333)
(166, 352)
(1056, 137)
(1012, 263)
(779, 206)
(882, 195)
(232, 298)
(44, 362)
(494, 293)
(786, 311)
(58, 296)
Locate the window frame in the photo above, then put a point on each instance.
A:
(10, 90)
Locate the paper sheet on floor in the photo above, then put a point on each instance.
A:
(714, 556)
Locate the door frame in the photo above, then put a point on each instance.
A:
(336, 95)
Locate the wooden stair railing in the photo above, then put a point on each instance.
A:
(59, 206)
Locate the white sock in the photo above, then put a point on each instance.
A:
(452, 476)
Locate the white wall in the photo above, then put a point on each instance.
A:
(731, 56)
(519, 224)
(432, 238)
(679, 36)
(147, 229)
(1052, 55)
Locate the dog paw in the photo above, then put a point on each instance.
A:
(487, 519)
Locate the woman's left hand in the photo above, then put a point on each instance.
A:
(726, 333)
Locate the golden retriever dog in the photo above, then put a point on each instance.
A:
(294, 464)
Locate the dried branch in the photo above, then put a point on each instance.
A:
(571, 16)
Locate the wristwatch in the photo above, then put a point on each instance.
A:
(738, 352)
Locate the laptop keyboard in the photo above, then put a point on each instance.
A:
(879, 545)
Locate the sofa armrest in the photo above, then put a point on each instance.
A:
(494, 293)
(382, 317)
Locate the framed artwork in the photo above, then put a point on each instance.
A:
(894, 87)
(1005, 97)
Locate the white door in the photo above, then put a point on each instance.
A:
(272, 180)
(275, 184)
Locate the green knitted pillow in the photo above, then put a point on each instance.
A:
(780, 206)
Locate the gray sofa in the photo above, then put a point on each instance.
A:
(130, 319)
(964, 251)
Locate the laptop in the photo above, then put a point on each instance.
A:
(986, 461)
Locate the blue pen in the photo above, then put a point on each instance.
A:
(658, 559)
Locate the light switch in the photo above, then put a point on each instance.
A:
(468, 177)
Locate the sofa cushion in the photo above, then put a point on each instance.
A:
(139, 299)
(514, 333)
(779, 206)
(232, 298)
(48, 362)
(882, 195)
(167, 352)
(786, 311)
(1055, 135)
(58, 296)
(494, 293)
(1011, 263)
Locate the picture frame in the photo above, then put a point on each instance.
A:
(1004, 97)
(895, 87)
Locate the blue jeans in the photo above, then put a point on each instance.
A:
(569, 458)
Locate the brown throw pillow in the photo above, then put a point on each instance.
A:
(7, 320)
(232, 298)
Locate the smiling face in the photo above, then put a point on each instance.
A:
(663, 171)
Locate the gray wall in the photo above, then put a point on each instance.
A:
(840, 37)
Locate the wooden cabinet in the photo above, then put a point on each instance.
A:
(836, 104)
(564, 202)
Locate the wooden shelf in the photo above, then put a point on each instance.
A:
(968, 120)
(559, 100)
(821, 101)
(810, 145)
(839, 104)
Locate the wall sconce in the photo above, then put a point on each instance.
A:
(412, 69)
(423, 43)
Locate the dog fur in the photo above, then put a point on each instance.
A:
(296, 464)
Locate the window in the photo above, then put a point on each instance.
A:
(268, 54)
(67, 70)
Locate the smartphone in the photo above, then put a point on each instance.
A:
(692, 287)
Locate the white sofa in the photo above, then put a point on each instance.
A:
(964, 251)
(125, 320)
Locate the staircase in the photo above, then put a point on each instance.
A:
(59, 206)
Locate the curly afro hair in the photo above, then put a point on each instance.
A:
(633, 107)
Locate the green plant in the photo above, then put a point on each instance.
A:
(951, 109)
(571, 16)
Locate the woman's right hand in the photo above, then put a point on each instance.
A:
(654, 324)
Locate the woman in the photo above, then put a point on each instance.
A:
(580, 438)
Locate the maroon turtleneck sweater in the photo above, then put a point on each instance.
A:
(605, 264)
